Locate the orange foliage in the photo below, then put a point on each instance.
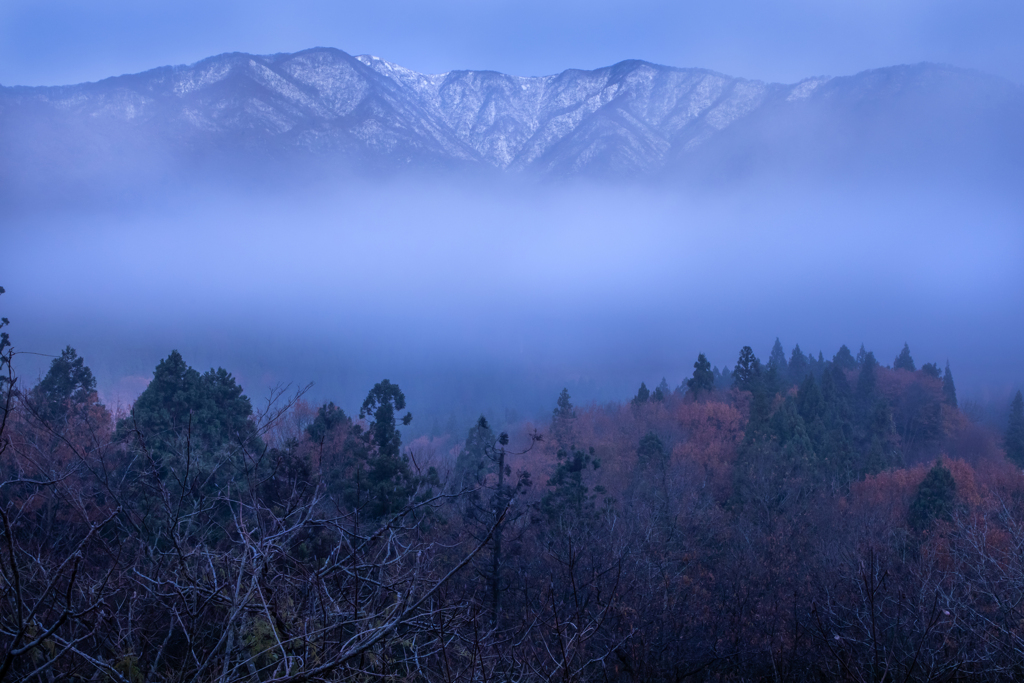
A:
(714, 431)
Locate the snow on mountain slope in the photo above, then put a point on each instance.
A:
(633, 118)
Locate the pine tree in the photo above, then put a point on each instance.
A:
(776, 374)
(389, 482)
(931, 370)
(1015, 432)
(662, 391)
(703, 380)
(471, 464)
(904, 361)
(746, 376)
(651, 452)
(798, 365)
(642, 395)
(328, 418)
(68, 384)
(861, 355)
(933, 500)
(948, 388)
(844, 359)
(563, 421)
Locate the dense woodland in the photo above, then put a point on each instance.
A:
(798, 518)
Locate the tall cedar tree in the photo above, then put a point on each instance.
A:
(390, 482)
(746, 376)
(948, 388)
(1015, 432)
(776, 376)
(904, 361)
(844, 359)
(563, 421)
(642, 395)
(703, 380)
(798, 366)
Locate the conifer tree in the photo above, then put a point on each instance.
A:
(904, 361)
(1015, 432)
(798, 365)
(861, 355)
(68, 384)
(776, 374)
(746, 376)
(933, 500)
(948, 388)
(642, 395)
(931, 370)
(563, 421)
(703, 380)
(844, 359)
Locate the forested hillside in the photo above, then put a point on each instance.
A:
(798, 518)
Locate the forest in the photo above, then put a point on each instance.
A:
(798, 518)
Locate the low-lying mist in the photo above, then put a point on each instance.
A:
(492, 298)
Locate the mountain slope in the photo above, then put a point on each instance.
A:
(632, 119)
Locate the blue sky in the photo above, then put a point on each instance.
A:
(50, 42)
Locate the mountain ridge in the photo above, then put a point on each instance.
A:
(630, 119)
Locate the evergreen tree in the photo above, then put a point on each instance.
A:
(703, 380)
(181, 411)
(642, 395)
(867, 379)
(651, 452)
(328, 418)
(904, 361)
(844, 359)
(471, 463)
(931, 370)
(776, 374)
(389, 482)
(1015, 432)
(746, 376)
(569, 494)
(563, 421)
(662, 391)
(798, 365)
(861, 355)
(933, 500)
(948, 388)
(68, 384)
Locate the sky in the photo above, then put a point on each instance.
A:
(54, 42)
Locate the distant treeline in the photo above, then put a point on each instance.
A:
(799, 519)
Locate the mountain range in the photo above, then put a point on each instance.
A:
(330, 110)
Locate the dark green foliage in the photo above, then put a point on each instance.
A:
(798, 365)
(1015, 432)
(723, 380)
(948, 388)
(471, 464)
(67, 384)
(328, 418)
(703, 380)
(844, 359)
(570, 494)
(746, 376)
(867, 380)
(381, 403)
(904, 361)
(861, 355)
(931, 370)
(933, 500)
(643, 395)
(662, 391)
(385, 483)
(651, 452)
(563, 421)
(776, 375)
(182, 410)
